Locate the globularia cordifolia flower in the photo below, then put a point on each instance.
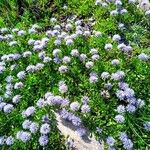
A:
(31, 42)
(121, 109)
(69, 42)
(63, 88)
(8, 108)
(26, 124)
(8, 94)
(2, 104)
(39, 66)
(45, 118)
(140, 103)
(123, 85)
(32, 31)
(85, 108)
(9, 87)
(4, 30)
(97, 33)
(116, 38)
(105, 94)
(12, 43)
(93, 79)
(43, 140)
(16, 99)
(131, 1)
(2, 68)
(120, 119)
(53, 20)
(74, 53)
(147, 126)
(81, 132)
(123, 136)
(129, 93)
(9, 79)
(63, 69)
(130, 108)
(34, 127)
(27, 54)
(21, 33)
(30, 68)
(105, 75)
(23, 136)
(89, 64)
(121, 26)
(9, 140)
(83, 57)
(48, 94)
(87, 33)
(95, 57)
(45, 128)
(115, 62)
(29, 111)
(2, 140)
(147, 13)
(123, 11)
(111, 148)
(57, 42)
(85, 100)
(118, 75)
(15, 30)
(41, 103)
(143, 57)
(120, 94)
(21, 75)
(47, 59)
(108, 86)
(74, 106)
(18, 85)
(68, 27)
(66, 59)
(108, 46)
(127, 144)
(114, 13)
(110, 141)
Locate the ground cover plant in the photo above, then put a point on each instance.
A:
(86, 60)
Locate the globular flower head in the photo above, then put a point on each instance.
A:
(115, 62)
(110, 141)
(29, 111)
(121, 109)
(63, 69)
(143, 57)
(85, 108)
(120, 119)
(147, 126)
(8, 108)
(23, 136)
(89, 64)
(75, 53)
(130, 108)
(43, 140)
(9, 140)
(45, 128)
(26, 124)
(108, 46)
(34, 127)
(105, 75)
(74, 106)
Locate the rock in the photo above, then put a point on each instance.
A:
(85, 143)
